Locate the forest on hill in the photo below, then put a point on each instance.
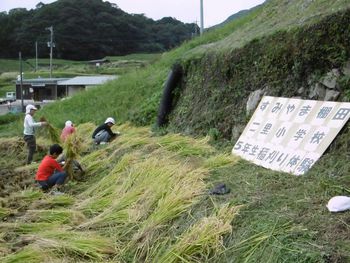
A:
(87, 30)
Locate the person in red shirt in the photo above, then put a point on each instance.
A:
(50, 174)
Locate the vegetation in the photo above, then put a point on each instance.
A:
(85, 31)
(279, 64)
(144, 201)
(145, 197)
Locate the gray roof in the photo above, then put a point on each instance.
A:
(86, 80)
(41, 81)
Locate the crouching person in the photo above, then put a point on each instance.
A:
(103, 133)
(50, 174)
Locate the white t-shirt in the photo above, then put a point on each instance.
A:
(29, 125)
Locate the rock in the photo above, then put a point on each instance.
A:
(254, 99)
(330, 80)
(301, 90)
(306, 4)
(236, 131)
(346, 69)
(317, 92)
(331, 95)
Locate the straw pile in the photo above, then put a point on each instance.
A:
(203, 239)
(135, 207)
(72, 148)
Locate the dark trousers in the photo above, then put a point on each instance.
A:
(57, 178)
(102, 136)
(31, 144)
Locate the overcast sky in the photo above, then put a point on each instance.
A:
(215, 11)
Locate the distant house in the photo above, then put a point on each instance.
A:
(99, 62)
(52, 89)
(80, 83)
(40, 89)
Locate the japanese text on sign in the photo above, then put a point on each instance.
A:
(290, 135)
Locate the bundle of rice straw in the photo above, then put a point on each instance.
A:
(72, 148)
(53, 132)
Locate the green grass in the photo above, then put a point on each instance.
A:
(135, 95)
(145, 198)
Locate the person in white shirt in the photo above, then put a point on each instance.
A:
(29, 131)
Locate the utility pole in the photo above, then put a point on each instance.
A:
(36, 56)
(196, 28)
(202, 19)
(21, 79)
(51, 46)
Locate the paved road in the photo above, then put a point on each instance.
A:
(16, 106)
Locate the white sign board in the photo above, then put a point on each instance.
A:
(290, 135)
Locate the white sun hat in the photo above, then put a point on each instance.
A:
(29, 108)
(111, 120)
(69, 124)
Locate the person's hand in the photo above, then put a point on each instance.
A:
(44, 123)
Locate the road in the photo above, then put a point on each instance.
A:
(16, 105)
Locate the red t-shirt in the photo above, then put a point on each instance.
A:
(47, 167)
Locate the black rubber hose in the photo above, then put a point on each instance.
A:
(165, 107)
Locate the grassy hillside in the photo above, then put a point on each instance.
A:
(140, 91)
(117, 65)
(145, 197)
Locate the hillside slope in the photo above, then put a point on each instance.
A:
(276, 15)
(279, 60)
(146, 198)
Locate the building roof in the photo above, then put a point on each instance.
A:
(86, 80)
(41, 81)
(102, 60)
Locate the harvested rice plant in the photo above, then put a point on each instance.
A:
(146, 198)
(137, 194)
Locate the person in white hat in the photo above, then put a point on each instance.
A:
(67, 130)
(29, 131)
(103, 133)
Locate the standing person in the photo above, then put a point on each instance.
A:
(67, 130)
(103, 133)
(29, 131)
(50, 174)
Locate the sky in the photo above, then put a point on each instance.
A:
(215, 11)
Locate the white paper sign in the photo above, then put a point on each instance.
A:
(290, 135)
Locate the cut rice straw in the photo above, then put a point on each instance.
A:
(202, 239)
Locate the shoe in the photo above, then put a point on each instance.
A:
(219, 189)
(103, 142)
(56, 193)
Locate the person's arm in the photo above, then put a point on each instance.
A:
(31, 123)
(109, 130)
(57, 166)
